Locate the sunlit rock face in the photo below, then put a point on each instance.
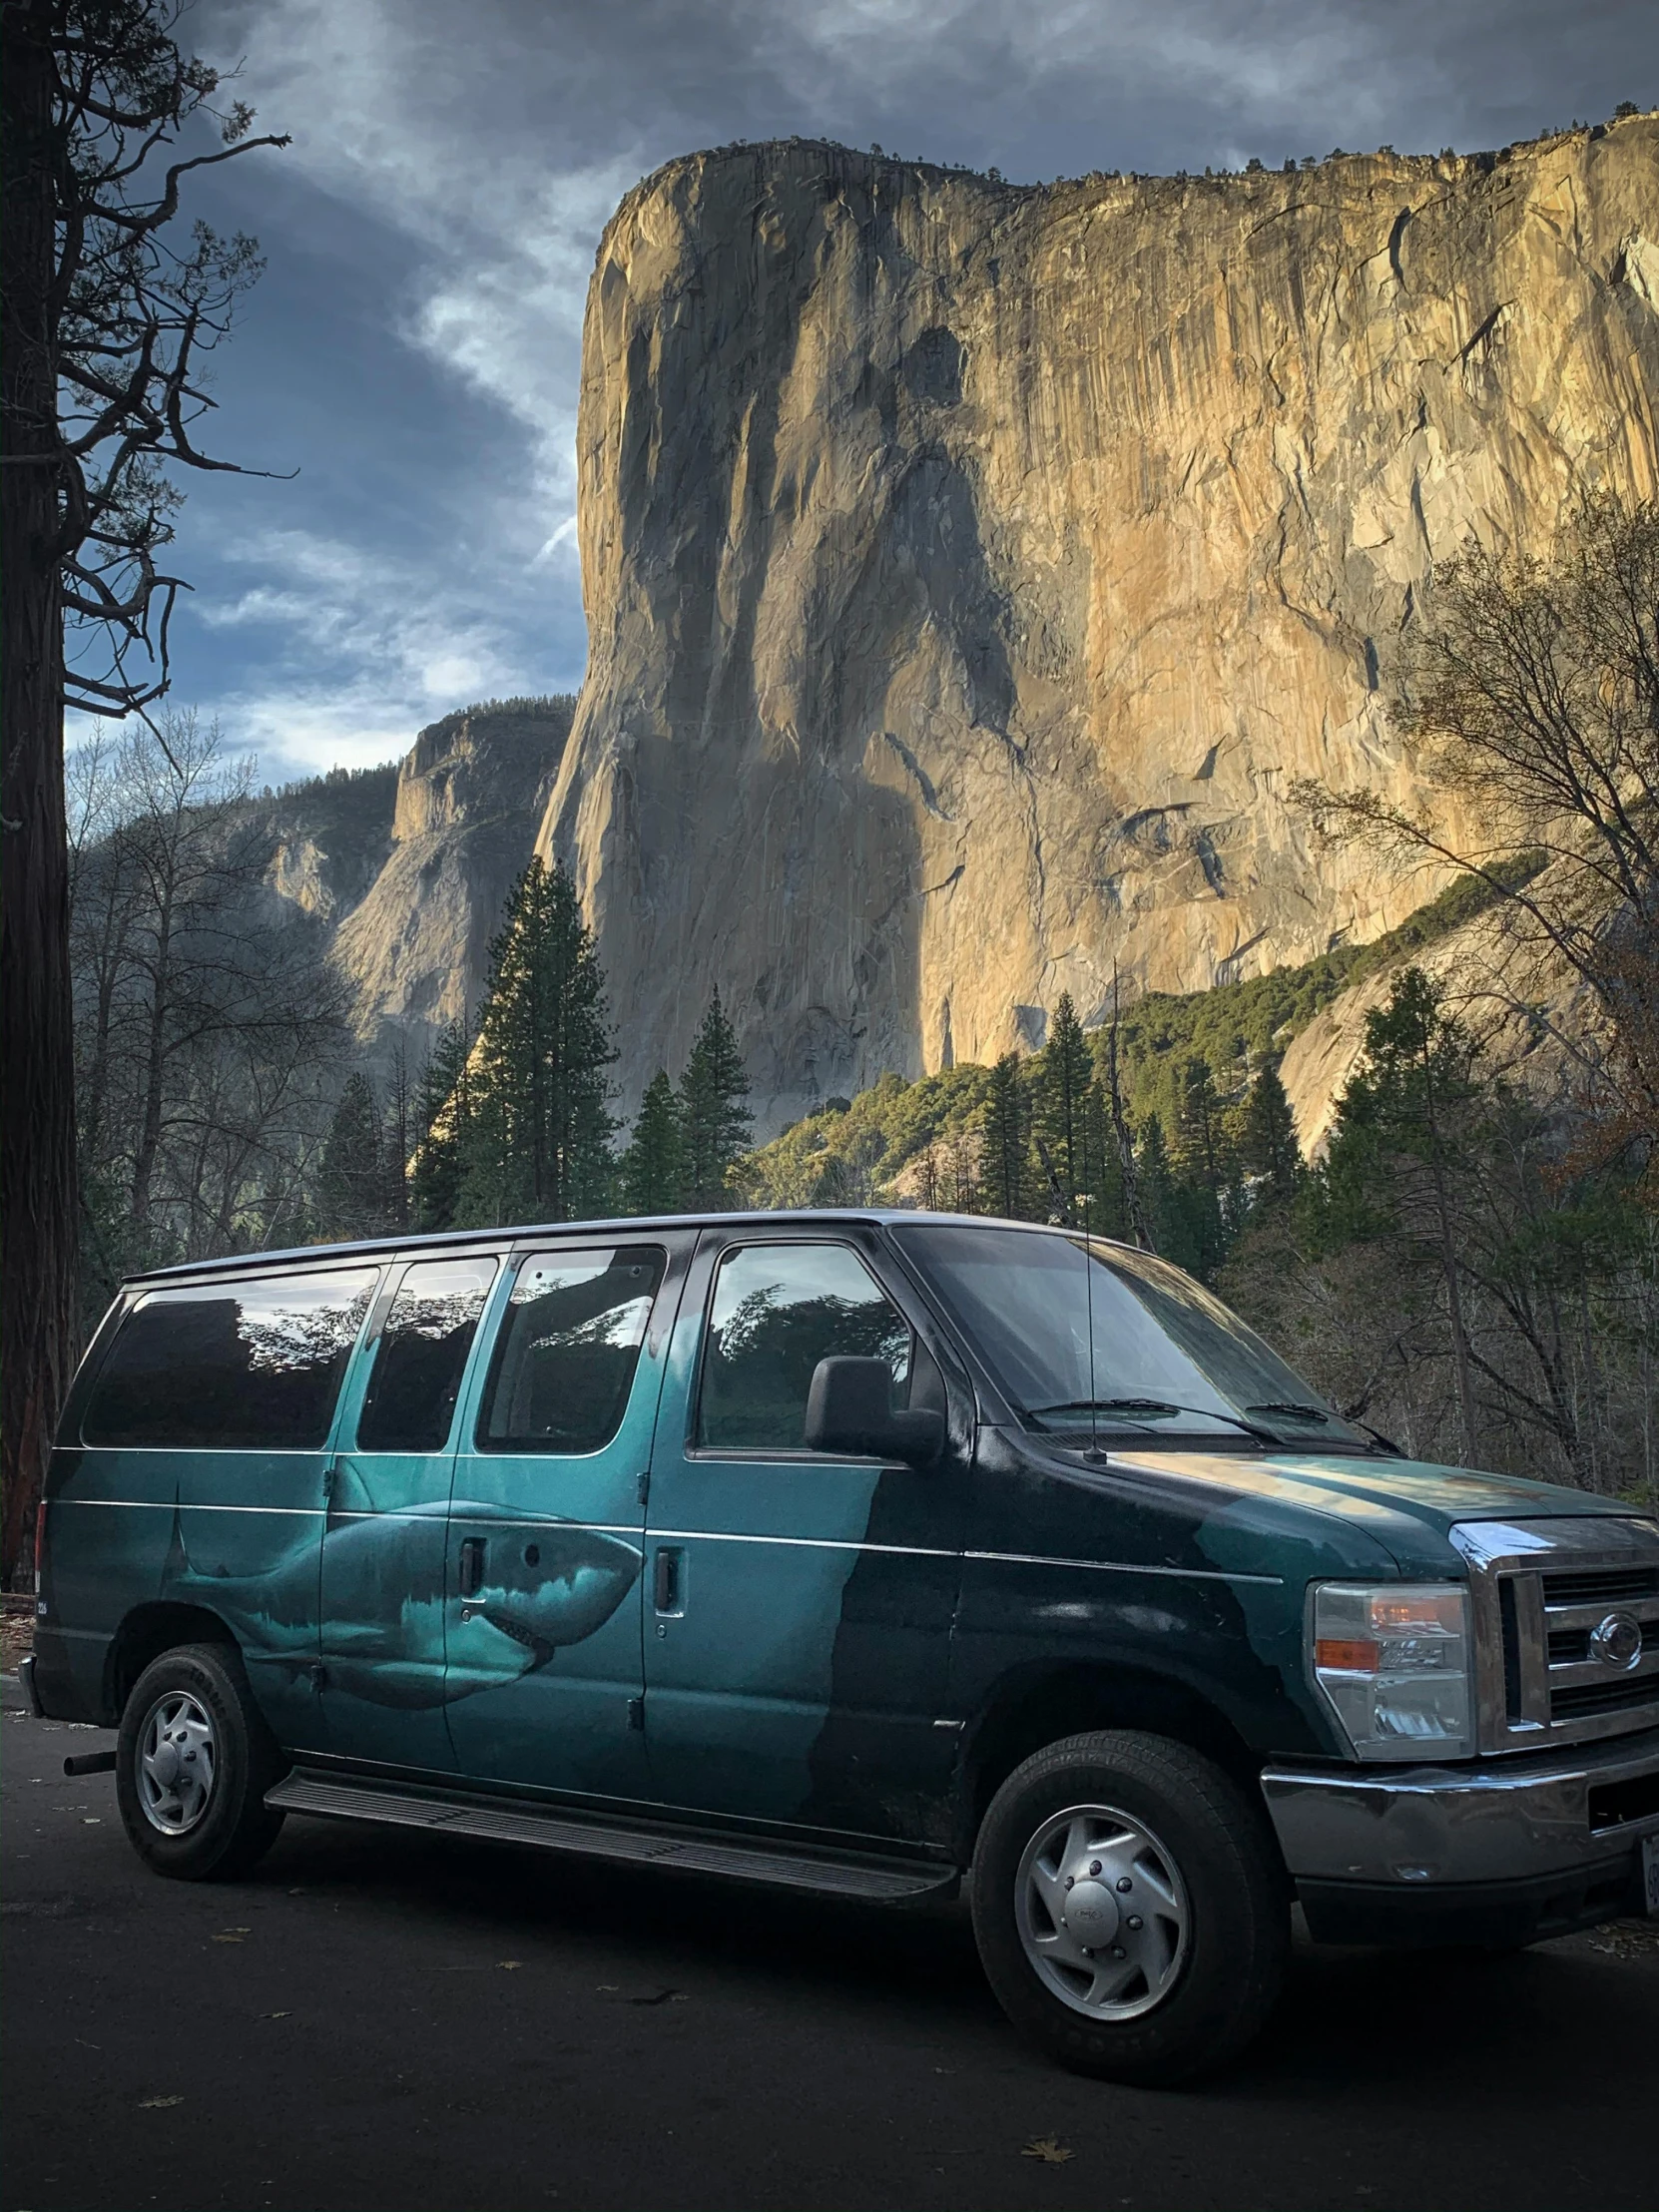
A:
(970, 569)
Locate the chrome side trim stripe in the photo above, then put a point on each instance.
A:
(168, 1505)
(795, 1543)
(183, 1452)
(713, 1536)
(1124, 1566)
(996, 1558)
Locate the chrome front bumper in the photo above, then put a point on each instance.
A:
(1513, 1820)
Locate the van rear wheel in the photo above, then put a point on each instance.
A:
(1129, 1907)
(192, 1763)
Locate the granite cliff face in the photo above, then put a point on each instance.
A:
(409, 869)
(970, 569)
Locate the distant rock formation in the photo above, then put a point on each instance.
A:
(410, 870)
(969, 570)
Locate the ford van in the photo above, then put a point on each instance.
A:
(867, 1553)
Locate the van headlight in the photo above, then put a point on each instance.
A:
(1393, 1661)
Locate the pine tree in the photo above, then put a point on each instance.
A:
(537, 1142)
(714, 1121)
(652, 1173)
(1101, 1204)
(1060, 1080)
(1136, 1225)
(1155, 1180)
(1406, 1131)
(1007, 1180)
(443, 1119)
(1268, 1145)
(395, 1141)
(1207, 1169)
(349, 1188)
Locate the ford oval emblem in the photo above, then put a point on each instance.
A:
(1617, 1641)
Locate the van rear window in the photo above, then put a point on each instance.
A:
(252, 1367)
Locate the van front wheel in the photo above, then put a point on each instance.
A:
(194, 1761)
(1129, 1909)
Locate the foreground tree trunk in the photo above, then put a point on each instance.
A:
(38, 1200)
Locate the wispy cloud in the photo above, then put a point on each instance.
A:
(365, 649)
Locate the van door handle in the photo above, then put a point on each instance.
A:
(472, 1566)
(667, 1593)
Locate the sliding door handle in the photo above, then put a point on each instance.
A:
(471, 1575)
(668, 1580)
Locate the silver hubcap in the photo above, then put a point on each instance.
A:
(1102, 1911)
(175, 1763)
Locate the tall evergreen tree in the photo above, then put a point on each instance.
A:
(1161, 1221)
(1268, 1145)
(1006, 1179)
(350, 1194)
(1206, 1169)
(652, 1171)
(442, 1120)
(715, 1120)
(397, 1136)
(1406, 1134)
(1101, 1204)
(537, 1143)
(1136, 1225)
(1060, 1080)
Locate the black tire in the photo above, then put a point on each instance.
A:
(1216, 1955)
(219, 1833)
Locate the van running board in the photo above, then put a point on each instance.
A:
(881, 1884)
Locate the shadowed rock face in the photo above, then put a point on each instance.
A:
(970, 569)
(416, 950)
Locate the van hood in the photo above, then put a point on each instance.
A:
(1408, 1507)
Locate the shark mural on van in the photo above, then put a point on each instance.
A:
(390, 1636)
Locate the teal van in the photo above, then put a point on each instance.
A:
(861, 1553)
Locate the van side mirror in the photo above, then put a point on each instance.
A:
(850, 1410)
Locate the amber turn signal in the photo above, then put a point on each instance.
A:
(1349, 1654)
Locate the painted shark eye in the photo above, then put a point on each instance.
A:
(532, 1556)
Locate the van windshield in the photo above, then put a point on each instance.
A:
(1168, 1357)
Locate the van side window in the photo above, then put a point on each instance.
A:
(568, 1344)
(421, 1355)
(777, 1311)
(246, 1365)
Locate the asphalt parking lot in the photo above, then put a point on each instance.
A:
(381, 2020)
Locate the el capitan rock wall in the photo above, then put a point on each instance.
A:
(970, 568)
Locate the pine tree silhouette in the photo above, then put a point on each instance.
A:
(715, 1120)
(537, 1142)
(1006, 1178)
(1060, 1080)
(652, 1171)
(1268, 1144)
(442, 1114)
(348, 1182)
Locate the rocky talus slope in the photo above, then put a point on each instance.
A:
(970, 569)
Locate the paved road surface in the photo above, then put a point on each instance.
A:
(387, 2022)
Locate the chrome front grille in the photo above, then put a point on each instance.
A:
(1566, 1616)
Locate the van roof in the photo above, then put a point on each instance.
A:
(461, 1240)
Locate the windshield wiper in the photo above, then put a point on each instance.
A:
(1289, 1406)
(1150, 1405)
